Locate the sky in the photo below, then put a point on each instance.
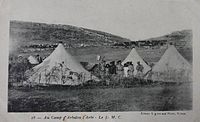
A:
(132, 19)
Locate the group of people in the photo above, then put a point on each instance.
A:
(122, 70)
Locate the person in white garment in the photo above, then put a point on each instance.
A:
(125, 70)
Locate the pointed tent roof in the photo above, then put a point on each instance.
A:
(135, 57)
(32, 60)
(172, 67)
(59, 56)
(171, 59)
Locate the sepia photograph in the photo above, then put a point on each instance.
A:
(99, 56)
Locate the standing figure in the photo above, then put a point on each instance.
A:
(131, 69)
(139, 69)
(126, 69)
(39, 58)
(107, 69)
(102, 70)
(112, 69)
(120, 68)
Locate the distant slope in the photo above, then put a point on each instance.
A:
(25, 33)
(181, 38)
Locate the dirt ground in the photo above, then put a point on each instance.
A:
(143, 98)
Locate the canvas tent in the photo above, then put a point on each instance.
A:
(172, 67)
(60, 68)
(32, 60)
(134, 57)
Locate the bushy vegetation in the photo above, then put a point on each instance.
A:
(17, 68)
(116, 82)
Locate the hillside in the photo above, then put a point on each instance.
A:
(25, 33)
(29, 33)
(181, 38)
